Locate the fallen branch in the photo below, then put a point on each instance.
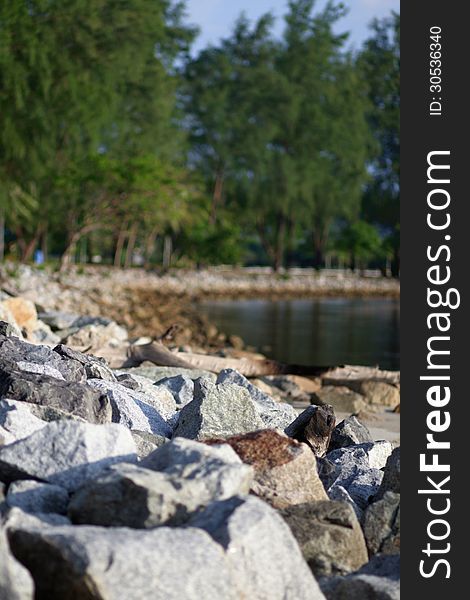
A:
(157, 353)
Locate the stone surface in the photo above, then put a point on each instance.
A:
(148, 369)
(181, 388)
(341, 398)
(133, 496)
(260, 549)
(71, 397)
(217, 411)
(350, 470)
(275, 415)
(285, 470)
(9, 328)
(377, 453)
(57, 319)
(349, 432)
(36, 497)
(66, 453)
(314, 427)
(95, 563)
(382, 525)
(391, 479)
(378, 580)
(17, 419)
(15, 581)
(381, 392)
(23, 311)
(146, 442)
(94, 367)
(132, 408)
(13, 350)
(329, 535)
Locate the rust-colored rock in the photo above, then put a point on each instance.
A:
(23, 311)
(285, 470)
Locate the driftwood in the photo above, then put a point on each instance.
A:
(157, 353)
(314, 427)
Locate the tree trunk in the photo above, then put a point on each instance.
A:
(44, 242)
(66, 259)
(395, 267)
(150, 246)
(167, 251)
(280, 239)
(119, 246)
(217, 195)
(2, 235)
(290, 243)
(131, 246)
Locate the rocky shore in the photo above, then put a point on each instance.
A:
(160, 482)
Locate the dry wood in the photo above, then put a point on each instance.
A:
(160, 355)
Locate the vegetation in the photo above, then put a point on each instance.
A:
(118, 145)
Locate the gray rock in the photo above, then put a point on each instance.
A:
(155, 373)
(71, 397)
(36, 497)
(260, 549)
(15, 517)
(146, 442)
(43, 334)
(30, 367)
(50, 413)
(133, 409)
(17, 420)
(378, 580)
(57, 319)
(128, 381)
(329, 535)
(382, 525)
(133, 496)
(391, 479)
(341, 398)
(217, 411)
(10, 330)
(66, 453)
(180, 386)
(348, 433)
(15, 581)
(275, 415)
(339, 494)
(352, 471)
(285, 470)
(13, 350)
(110, 564)
(95, 368)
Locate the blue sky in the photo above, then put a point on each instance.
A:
(216, 17)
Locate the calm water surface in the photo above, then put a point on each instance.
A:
(322, 331)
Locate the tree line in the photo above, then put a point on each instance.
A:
(117, 144)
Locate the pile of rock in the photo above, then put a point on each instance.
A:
(164, 483)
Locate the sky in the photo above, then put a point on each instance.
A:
(215, 18)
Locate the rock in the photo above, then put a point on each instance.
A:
(342, 399)
(314, 427)
(66, 453)
(155, 373)
(391, 479)
(15, 517)
(23, 311)
(180, 386)
(30, 367)
(382, 525)
(15, 581)
(95, 368)
(36, 497)
(43, 334)
(95, 335)
(146, 442)
(17, 420)
(378, 580)
(95, 563)
(285, 470)
(349, 432)
(133, 496)
(380, 392)
(57, 319)
(377, 453)
(15, 351)
(329, 535)
(274, 415)
(133, 409)
(260, 549)
(44, 390)
(6, 437)
(217, 411)
(50, 413)
(128, 381)
(352, 471)
(9, 328)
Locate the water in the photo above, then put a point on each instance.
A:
(321, 331)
